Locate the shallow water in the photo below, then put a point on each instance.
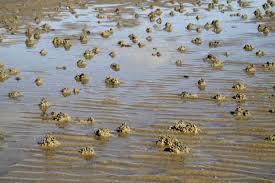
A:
(227, 150)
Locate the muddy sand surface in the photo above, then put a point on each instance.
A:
(137, 91)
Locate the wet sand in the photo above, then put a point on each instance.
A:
(227, 150)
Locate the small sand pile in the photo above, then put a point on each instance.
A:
(241, 113)
(87, 152)
(123, 129)
(185, 127)
(270, 138)
(103, 133)
(61, 117)
(172, 145)
(50, 142)
(166, 140)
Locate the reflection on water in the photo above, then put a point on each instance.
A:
(227, 150)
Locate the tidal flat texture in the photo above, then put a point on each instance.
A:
(137, 91)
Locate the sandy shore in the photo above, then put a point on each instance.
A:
(192, 86)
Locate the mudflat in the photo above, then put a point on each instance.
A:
(137, 91)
